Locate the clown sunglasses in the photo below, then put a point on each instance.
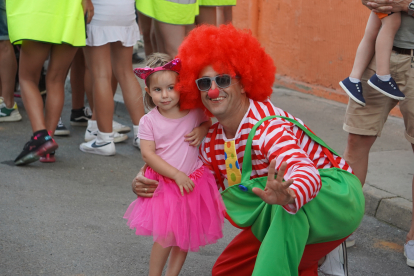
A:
(222, 81)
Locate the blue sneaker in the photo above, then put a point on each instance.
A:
(354, 90)
(388, 88)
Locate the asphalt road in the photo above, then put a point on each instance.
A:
(66, 218)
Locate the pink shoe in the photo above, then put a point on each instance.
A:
(48, 158)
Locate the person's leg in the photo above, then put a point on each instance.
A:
(145, 23)
(131, 90)
(239, 257)
(228, 14)
(176, 261)
(366, 47)
(98, 59)
(207, 15)
(88, 83)
(61, 57)
(384, 42)
(357, 154)
(32, 56)
(77, 80)
(158, 258)
(410, 235)
(8, 70)
(171, 37)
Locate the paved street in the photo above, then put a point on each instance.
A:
(66, 218)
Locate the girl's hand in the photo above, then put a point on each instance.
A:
(88, 8)
(183, 182)
(195, 137)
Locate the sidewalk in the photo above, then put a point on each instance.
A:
(387, 190)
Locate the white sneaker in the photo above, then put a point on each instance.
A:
(336, 262)
(108, 148)
(409, 252)
(136, 143)
(91, 134)
(350, 241)
(120, 128)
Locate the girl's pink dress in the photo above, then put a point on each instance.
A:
(190, 221)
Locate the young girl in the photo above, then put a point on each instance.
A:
(380, 42)
(186, 211)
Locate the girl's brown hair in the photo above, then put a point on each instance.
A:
(153, 61)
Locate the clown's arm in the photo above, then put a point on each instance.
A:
(280, 145)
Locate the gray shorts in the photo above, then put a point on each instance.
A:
(4, 34)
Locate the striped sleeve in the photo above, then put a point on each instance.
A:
(280, 143)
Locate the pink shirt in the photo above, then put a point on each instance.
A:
(168, 135)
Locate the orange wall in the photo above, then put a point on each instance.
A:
(313, 43)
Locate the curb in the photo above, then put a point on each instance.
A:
(388, 207)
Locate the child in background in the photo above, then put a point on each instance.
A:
(378, 40)
(186, 211)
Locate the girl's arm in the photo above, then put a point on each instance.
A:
(198, 133)
(163, 168)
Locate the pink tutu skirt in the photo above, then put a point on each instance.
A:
(190, 221)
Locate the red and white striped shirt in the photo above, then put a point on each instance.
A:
(275, 139)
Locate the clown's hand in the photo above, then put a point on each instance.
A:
(276, 191)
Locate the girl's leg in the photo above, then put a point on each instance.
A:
(98, 59)
(384, 43)
(177, 259)
(131, 90)
(61, 57)
(366, 47)
(8, 70)
(159, 256)
(171, 37)
(88, 85)
(77, 80)
(228, 14)
(207, 15)
(32, 56)
(145, 23)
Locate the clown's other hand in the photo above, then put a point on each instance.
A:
(142, 186)
(276, 191)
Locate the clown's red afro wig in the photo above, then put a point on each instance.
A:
(230, 51)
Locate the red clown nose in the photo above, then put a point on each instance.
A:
(213, 93)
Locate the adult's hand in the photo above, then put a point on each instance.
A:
(88, 8)
(276, 191)
(387, 6)
(142, 186)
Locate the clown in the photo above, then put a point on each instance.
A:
(287, 225)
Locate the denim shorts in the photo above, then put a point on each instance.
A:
(4, 34)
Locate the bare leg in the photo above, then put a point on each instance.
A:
(145, 23)
(384, 43)
(159, 256)
(357, 153)
(366, 47)
(153, 37)
(410, 235)
(207, 15)
(77, 80)
(8, 70)
(32, 56)
(131, 90)
(61, 57)
(228, 14)
(171, 36)
(220, 16)
(177, 259)
(88, 86)
(98, 59)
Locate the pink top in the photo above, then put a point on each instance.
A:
(168, 135)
